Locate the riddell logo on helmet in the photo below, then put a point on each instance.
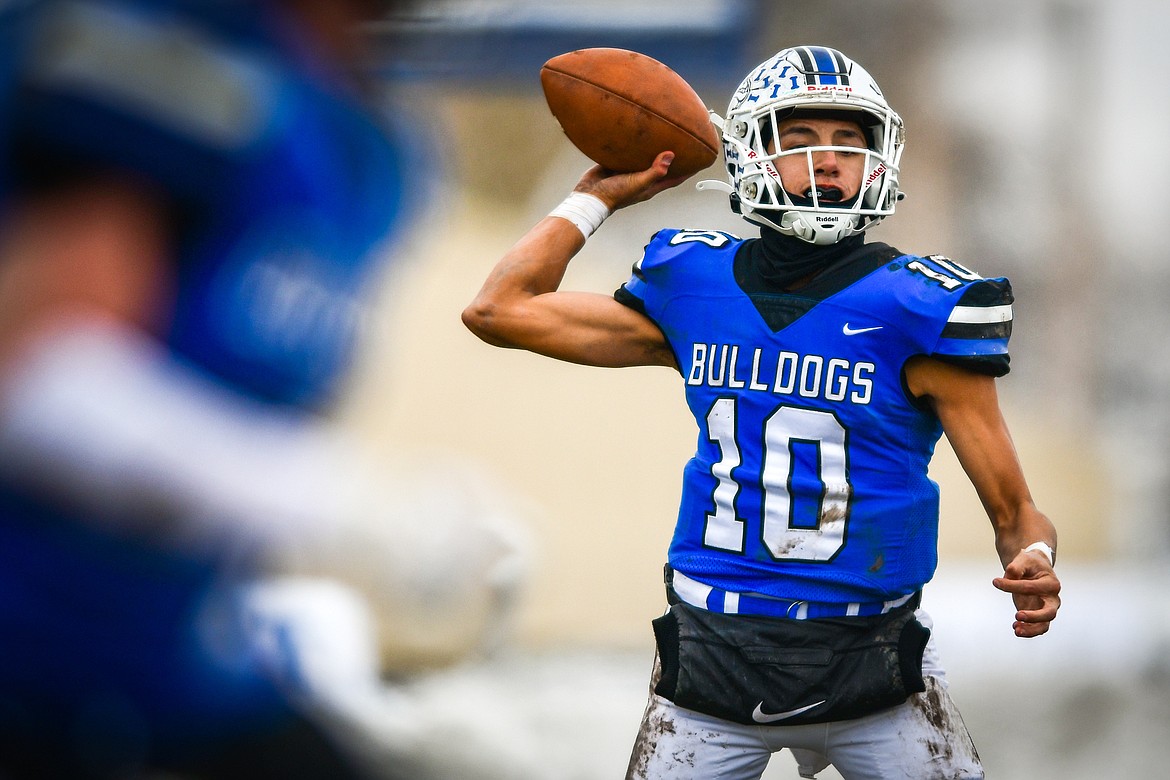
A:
(878, 171)
(829, 88)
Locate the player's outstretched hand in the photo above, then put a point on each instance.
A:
(618, 190)
(1035, 589)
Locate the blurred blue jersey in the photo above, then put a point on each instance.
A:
(810, 477)
(283, 188)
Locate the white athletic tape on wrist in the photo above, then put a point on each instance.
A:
(585, 211)
(1044, 548)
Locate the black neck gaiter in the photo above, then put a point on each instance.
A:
(781, 260)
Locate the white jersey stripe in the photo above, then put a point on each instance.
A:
(981, 315)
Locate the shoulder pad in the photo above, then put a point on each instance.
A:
(984, 311)
(979, 324)
(672, 254)
(670, 243)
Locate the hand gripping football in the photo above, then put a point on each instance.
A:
(622, 109)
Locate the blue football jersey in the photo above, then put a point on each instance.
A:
(809, 480)
(283, 187)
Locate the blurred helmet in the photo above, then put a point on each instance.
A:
(809, 80)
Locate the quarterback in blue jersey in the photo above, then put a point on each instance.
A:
(194, 198)
(821, 369)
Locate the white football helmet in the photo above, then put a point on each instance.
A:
(814, 79)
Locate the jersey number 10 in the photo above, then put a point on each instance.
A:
(786, 428)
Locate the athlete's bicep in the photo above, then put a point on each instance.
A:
(588, 328)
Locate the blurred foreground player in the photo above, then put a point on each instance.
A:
(821, 370)
(194, 195)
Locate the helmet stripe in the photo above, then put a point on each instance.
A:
(807, 66)
(841, 65)
(827, 70)
(822, 66)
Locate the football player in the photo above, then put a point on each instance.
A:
(194, 196)
(821, 369)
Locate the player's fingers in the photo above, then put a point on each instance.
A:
(629, 188)
(1034, 613)
(1034, 622)
(1039, 610)
(657, 177)
(661, 164)
(1027, 629)
(1036, 599)
(1038, 586)
(657, 170)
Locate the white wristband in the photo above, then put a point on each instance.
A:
(587, 212)
(1044, 548)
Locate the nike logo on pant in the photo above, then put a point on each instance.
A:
(759, 716)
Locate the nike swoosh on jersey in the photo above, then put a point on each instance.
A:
(759, 716)
(848, 331)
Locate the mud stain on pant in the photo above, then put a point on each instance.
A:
(943, 734)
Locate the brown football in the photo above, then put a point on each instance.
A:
(622, 108)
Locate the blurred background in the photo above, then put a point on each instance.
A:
(1035, 150)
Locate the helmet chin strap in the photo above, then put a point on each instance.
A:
(714, 184)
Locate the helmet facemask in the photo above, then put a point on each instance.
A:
(779, 89)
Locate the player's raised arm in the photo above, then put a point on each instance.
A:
(520, 304)
(968, 406)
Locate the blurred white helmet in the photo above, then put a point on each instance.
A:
(814, 80)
